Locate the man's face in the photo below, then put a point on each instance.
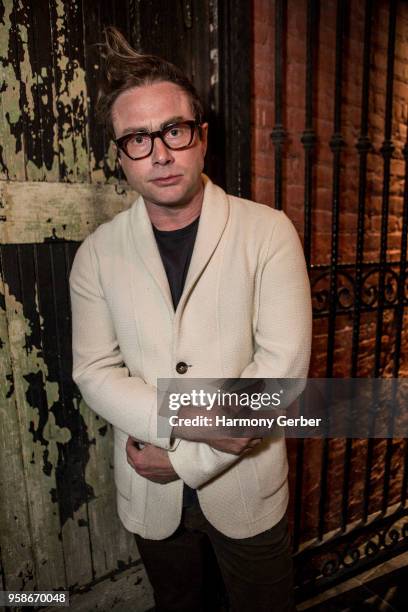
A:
(166, 177)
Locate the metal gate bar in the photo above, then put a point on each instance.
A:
(363, 148)
(308, 140)
(336, 146)
(400, 309)
(278, 134)
(386, 151)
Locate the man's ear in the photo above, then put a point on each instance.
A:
(204, 137)
(117, 152)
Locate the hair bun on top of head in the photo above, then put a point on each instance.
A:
(125, 68)
(118, 54)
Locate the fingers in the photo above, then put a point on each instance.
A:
(132, 452)
(254, 442)
(248, 443)
(235, 446)
(251, 445)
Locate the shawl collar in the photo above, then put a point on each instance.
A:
(213, 219)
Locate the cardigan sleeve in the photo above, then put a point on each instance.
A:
(125, 401)
(282, 340)
(283, 331)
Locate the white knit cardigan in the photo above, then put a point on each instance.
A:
(245, 312)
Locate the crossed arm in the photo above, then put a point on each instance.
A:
(154, 463)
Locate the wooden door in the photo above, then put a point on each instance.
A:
(58, 182)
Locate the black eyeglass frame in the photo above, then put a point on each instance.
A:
(121, 142)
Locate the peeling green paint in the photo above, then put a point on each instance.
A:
(27, 362)
(6, 375)
(15, 537)
(10, 112)
(27, 76)
(35, 211)
(72, 101)
(23, 110)
(97, 471)
(44, 109)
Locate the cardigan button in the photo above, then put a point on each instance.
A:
(181, 367)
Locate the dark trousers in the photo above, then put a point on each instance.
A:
(188, 570)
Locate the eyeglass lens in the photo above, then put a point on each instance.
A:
(176, 136)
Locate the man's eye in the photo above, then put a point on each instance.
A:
(174, 132)
(138, 139)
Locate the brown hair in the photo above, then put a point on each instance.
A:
(125, 68)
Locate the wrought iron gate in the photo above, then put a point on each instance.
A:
(347, 294)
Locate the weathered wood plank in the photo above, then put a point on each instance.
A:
(27, 99)
(18, 566)
(12, 155)
(98, 15)
(112, 546)
(38, 430)
(72, 478)
(102, 156)
(33, 212)
(71, 490)
(42, 138)
(129, 590)
(71, 90)
(2, 583)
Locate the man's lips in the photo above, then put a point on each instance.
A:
(167, 180)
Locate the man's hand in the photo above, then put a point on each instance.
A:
(234, 446)
(150, 462)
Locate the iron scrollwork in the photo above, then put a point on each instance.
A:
(346, 289)
(341, 556)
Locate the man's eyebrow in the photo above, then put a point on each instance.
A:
(144, 129)
(133, 130)
(175, 119)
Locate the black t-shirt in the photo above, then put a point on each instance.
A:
(176, 248)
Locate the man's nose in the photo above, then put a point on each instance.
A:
(161, 154)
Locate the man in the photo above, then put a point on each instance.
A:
(189, 282)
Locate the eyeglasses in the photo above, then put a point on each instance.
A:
(175, 136)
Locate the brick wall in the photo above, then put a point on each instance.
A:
(293, 199)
